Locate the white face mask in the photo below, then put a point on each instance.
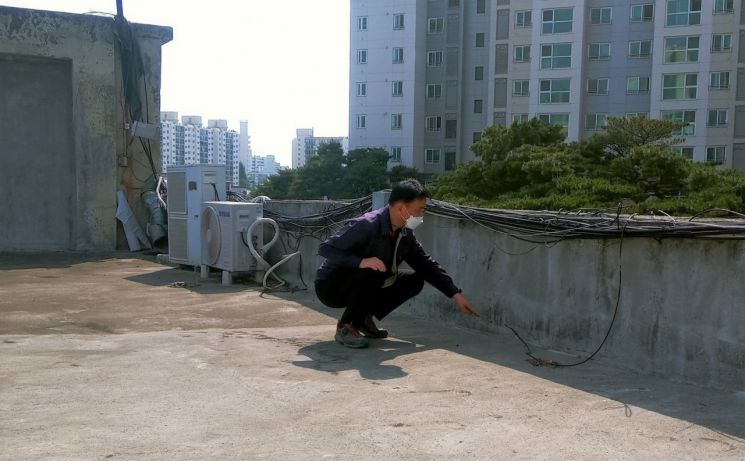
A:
(412, 222)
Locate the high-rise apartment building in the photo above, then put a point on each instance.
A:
(305, 145)
(427, 76)
(189, 143)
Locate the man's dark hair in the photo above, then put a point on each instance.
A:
(407, 191)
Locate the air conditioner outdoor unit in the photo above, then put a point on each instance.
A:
(188, 187)
(225, 237)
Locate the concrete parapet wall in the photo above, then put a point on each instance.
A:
(681, 311)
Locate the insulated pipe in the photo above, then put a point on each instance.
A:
(265, 248)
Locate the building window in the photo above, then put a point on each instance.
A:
(684, 151)
(556, 56)
(361, 56)
(398, 21)
(554, 91)
(642, 13)
(724, 6)
(681, 49)
(637, 114)
(523, 19)
(520, 118)
(433, 123)
(478, 73)
(596, 121)
(683, 12)
(717, 118)
(361, 22)
(431, 155)
(396, 121)
(361, 121)
(558, 119)
(640, 48)
(398, 55)
(598, 51)
(480, 40)
(453, 3)
(480, 6)
(601, 15)
(397, 88)
(521, 88)
(522, 53)
(396, 154)
(478, 106)
(721, 43)
(451, 129)
(719, 81)
(557, 20)
(688, 116)
(476, 136)
(597, 86)
(434, 58)
(679, 86)
(637, 85)
(434, 90)
(715, 154)
(361, 88)
(435, 25)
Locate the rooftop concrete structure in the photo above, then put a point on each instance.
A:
(108, 357)
(64, 151)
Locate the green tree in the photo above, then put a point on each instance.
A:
(242, 177)
(322, 176)
(400, 172)
(277, 186)
(497, 141)
(625, 133)
(365, 172)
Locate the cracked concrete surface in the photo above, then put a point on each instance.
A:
(101, 359)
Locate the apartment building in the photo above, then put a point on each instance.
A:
(427, 76)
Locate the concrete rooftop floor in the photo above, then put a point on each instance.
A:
(101, 359)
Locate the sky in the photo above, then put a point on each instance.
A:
(281, 65)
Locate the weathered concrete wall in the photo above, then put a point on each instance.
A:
(87, 43)
(681, 312)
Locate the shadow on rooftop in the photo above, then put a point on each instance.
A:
(715, 409)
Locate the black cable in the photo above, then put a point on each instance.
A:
(538, 361)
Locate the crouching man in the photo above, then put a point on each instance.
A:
(360, 272)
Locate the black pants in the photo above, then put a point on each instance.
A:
(360, 292)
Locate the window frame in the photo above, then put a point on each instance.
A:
(641, 44)
(553, 57)
(553, 22)
(642, 18)
(597, 91)
(524, 14)
(432, 155)
(686, 52)
(522, 48)
(601, 9)
(685, 88)
(552, 93)
(599, 56)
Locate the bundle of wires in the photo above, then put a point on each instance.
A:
(549, 227)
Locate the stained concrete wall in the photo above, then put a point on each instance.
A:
(681, 312)
(88, 135)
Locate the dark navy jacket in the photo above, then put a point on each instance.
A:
(371, 235)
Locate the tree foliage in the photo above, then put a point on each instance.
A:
(528, 166)
(332, 174)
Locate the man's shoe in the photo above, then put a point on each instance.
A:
(349, 336)
(370, 330)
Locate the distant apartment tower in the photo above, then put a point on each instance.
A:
(261, 167)
(305, 145)
(427, 76)
(189, 143)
